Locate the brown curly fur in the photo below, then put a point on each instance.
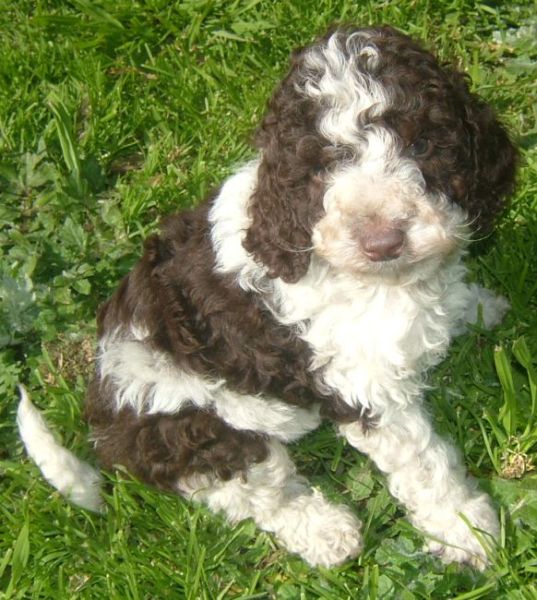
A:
(209, 326)
(162, 449)
(474, 161)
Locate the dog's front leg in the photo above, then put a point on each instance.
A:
(426, 474)
(281, 502)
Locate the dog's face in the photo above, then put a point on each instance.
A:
(376, 159)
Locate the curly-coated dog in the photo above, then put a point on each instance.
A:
(322, 281)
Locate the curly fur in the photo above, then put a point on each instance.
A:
(473, 163)
(322, 281)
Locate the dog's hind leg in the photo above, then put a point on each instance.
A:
(242, 473)
(281, 502)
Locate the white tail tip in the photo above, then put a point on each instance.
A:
(75, 479)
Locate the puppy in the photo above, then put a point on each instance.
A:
(322, 281)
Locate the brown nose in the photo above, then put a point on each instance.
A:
(381, 242)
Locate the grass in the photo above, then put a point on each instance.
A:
(113, 113)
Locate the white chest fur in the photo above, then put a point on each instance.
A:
(372, 342)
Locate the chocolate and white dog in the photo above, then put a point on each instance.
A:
(321, 282)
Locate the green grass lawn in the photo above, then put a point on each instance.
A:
(113, 113)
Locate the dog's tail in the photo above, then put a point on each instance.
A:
(73, 478)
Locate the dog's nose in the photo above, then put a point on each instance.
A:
(382, 242)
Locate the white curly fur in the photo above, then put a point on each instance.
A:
(374, 341)
(281, 502)
(374, 329)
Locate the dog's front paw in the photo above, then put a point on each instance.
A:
(466, 536)
(323, 534)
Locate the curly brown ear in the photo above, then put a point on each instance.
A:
(494, 160)
(287, 200)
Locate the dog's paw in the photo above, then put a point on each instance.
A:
(323, 534)
(490, 306)
(465, 537)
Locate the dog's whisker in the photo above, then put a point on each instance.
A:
(294, 249)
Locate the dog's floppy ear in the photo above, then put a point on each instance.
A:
(494, 160)
(288, 197)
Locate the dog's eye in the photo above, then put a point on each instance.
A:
(421, 148)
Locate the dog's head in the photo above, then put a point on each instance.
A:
(375, 158)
